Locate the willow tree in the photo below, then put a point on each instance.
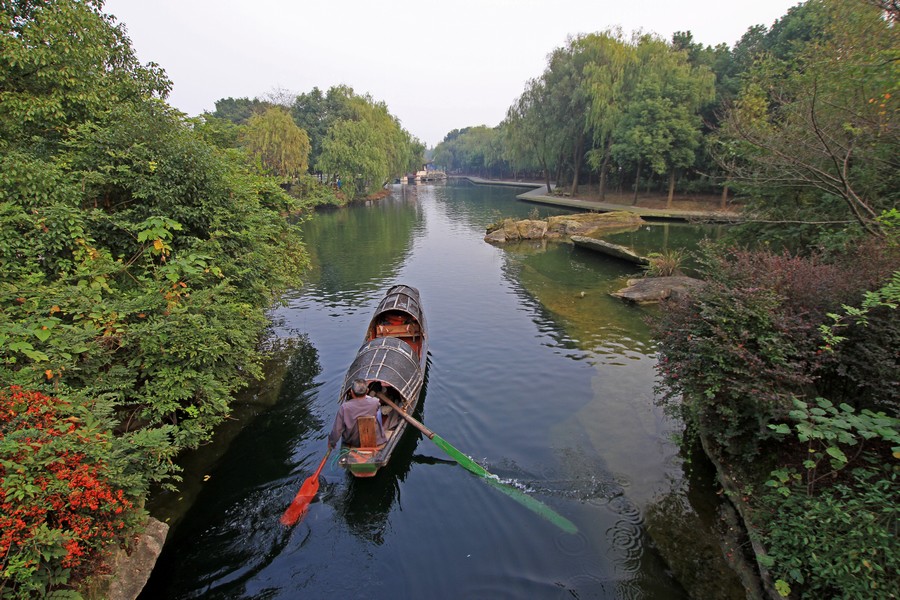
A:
(365, 146)
(530, 133)
(275, 140)
(607, 86)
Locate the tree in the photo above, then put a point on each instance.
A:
(825, 120)
(239, 110)
(660, 124)
(63, 62)
(137, 260)
(606, 85)
(365, 145)
(275, 140)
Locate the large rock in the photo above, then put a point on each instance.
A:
(561, 227)
(655, 289)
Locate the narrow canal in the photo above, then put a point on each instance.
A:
(535, 371)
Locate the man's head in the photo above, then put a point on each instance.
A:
(359, 388)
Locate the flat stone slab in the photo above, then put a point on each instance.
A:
(614, 250)
(562, 226)
(649, 290)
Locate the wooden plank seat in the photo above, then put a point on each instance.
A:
(404, 330)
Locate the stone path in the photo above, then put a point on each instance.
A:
(539, 195)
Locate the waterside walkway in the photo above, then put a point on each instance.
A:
(539, 195)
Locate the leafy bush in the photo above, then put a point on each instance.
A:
(59, 511)
(839, 543)
(733, 356)
(829, 535)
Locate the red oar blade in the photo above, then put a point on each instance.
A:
(307, 492)
(301, 501)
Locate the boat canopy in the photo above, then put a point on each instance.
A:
(401, 298)
(390, 361)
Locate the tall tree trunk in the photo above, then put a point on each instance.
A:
(576, 160)
(604, 168)
(671, 188)
(546, 172)
(637, 183)
(724, 202)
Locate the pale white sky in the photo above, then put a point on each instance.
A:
(438, 66)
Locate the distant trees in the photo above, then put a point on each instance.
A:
(799, 118)
(350, 139)
(602, 101)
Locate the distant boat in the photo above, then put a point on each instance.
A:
(392, 362)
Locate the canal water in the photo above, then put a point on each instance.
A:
(534, 371)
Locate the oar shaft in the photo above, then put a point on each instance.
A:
(409, 419)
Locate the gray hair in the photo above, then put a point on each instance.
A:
(359, 387)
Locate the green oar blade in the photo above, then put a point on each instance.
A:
(463, 460)
(534, 505)
(515, 493)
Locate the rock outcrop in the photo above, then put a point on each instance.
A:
(563, 227)
(655, 289)
(131, 570)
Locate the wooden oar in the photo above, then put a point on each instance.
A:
(307, 492)
(470, 465)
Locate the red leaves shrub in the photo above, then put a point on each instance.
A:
(58, 512)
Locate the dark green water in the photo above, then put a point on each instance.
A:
(534, 371)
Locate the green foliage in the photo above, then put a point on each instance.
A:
(138, 251)
(355, 140)
(733, 357)
(828, 533)
(816, 114)
(60, 63)
(830, 433)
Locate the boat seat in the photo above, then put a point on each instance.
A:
(368, 431)
(405, 330)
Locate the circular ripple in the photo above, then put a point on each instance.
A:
(627, 509)
(626, 539)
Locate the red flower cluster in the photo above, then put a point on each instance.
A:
(51, 479)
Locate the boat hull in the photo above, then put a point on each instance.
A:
(392, 361)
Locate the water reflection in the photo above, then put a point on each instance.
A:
(233, 511)
(382, 232)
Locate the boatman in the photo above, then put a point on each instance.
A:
(360, 404)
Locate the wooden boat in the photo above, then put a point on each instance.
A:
(392, 361)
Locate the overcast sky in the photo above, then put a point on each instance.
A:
(437, 66)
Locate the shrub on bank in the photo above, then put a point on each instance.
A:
(749, 361)
(734, 354)
(60, 512)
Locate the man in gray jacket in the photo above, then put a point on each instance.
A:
(360, 404)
